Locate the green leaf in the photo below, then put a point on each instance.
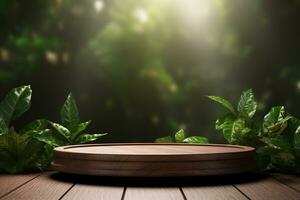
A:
(247, 104)
(15, 103)
(3, 127)
(196, 140)
(234, 130)
(61, 130)
(36, 125)
(297, 142)
(80, 128)
(179, 135)
(32, 153)
(85, 138)
(279, 142)
(69, 114)
(239, 132)
(263, 158)
(18, 152)
(46, 136)
(275, 121)
(284, 161)
(224, 124)
(293, 123)
(223, 102)
(167, 139)
(44, 159)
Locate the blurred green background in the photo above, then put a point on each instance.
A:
(140, 69)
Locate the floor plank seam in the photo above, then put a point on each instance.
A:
(68, 190)
(123, 194)
(19, 186)
(241, 191)
(181, 190)
(291, 187)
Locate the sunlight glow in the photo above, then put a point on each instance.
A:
(196, 10)
(98, 5)
(141, 15)
(197, 15)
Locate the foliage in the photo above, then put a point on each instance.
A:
(31, 147)
(20, 151)
(275, 137)
(180, 137)
(71, 130)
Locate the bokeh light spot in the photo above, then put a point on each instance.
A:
(4, 54)
(98, 5)
(51, 57)
(141, 15)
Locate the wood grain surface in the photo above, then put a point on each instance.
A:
(268, 189)
(153, 160)
(223, 192)
(136, 193)
(94, 192)
(289, 180)
(42, 187)
(10, 182)
(153, 152)
(56, 186)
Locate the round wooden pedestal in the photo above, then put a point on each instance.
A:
(153, 160)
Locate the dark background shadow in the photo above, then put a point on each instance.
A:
(141, 69)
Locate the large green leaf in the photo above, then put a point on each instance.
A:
(179, 135)
(15, 103)
(80, 128)
(196, 140)
(63, 131)
(48, 137)
(275, 121)
(224, 124)
(223, 102)
(85, 138)
(247, 104)
(36, 125)
(234, 130)
(69, 114)
(167, 139)
(239, 132)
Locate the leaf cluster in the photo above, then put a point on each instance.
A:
(30, 148)
(276, 137)
(70, 130)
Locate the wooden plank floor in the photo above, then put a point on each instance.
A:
(52, 185)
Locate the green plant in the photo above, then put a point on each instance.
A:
(31, 147)
(276, 137)
(71, 130)
(180, 137)
(20, 151)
